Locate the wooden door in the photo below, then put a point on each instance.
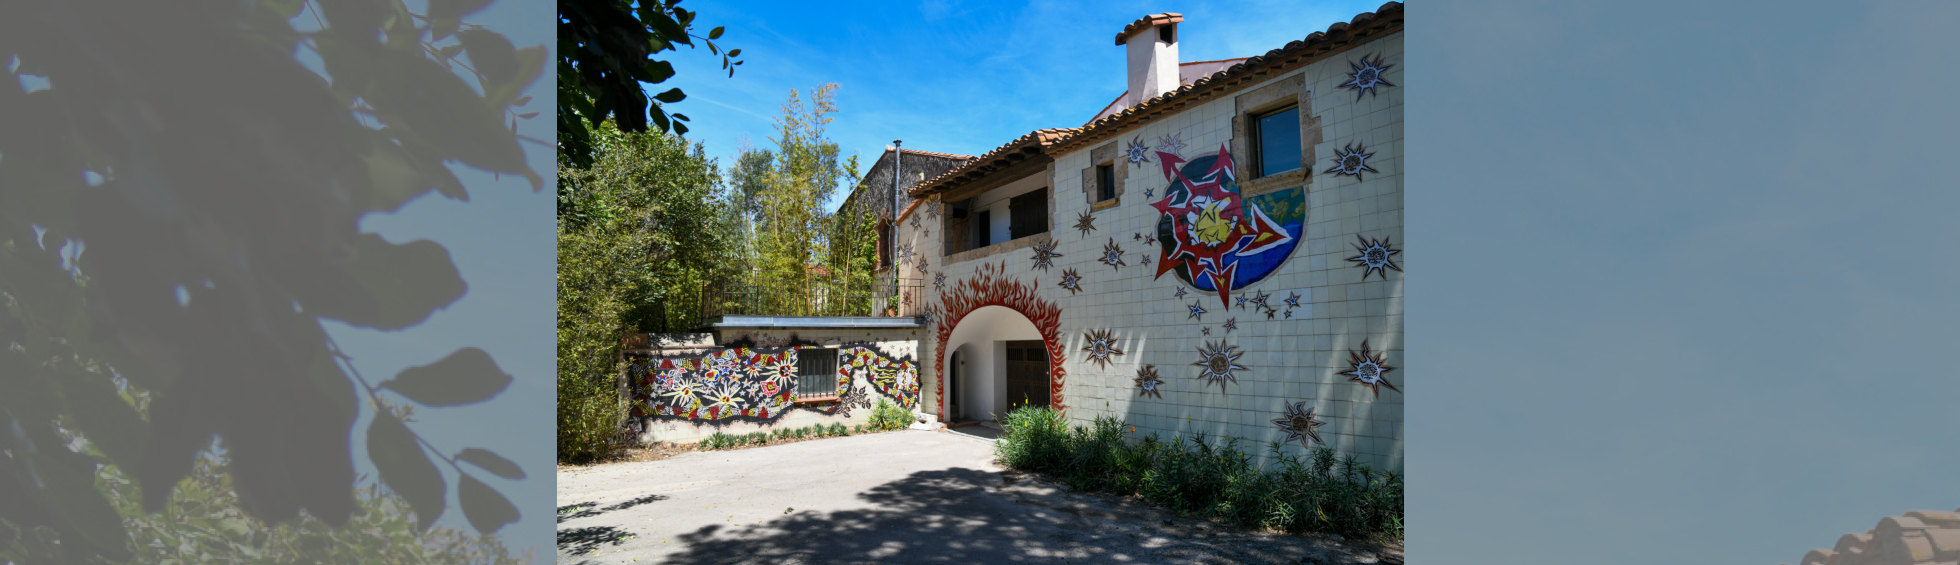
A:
(1027, 373)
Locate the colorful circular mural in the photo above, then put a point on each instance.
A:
(1215, 240)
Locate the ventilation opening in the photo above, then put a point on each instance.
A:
(1167, 33)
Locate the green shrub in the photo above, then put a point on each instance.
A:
(1214, 480)
(888, 416)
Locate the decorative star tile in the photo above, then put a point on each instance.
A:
(1147, 382)
(1299, 424)
(932, 208)
(1293, 301)
(1171, 144)
(905, 253)
(1218, 361)
(1102, 345)
(1145, 259)
(1365, 76)
(1137, 154)
(1241, 302)
(1113, 255)
(1197, 311)
(1180, 293)
(1260, 299)
(1369, 369)
(915, 222)
(1350, 160)
(1086, 223)
(923, 265)
(1231, 324)
(1136, 237)
(1044, 255)
(1071, 281)
(939, 282)
(1289, 313)
(1206, 329)
(1374, 257)
(1149, 193)
(1269, 313)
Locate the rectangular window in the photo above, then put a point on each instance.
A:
(1105, 182)
(816, 373)
(884, 245)
(1279, 141)
(1027, 214)
(983, 229)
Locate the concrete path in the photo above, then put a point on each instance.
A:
(900, 497)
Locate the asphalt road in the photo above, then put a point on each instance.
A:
(901, 497)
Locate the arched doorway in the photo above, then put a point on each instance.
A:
(1004, 306)
(996, 359)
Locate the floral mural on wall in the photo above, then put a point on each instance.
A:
(895, 378)
(742, 382)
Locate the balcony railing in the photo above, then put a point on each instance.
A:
(784, 296)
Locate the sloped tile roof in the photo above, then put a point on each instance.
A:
(1034, 143)
(1147, 22)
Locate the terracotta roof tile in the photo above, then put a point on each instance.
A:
(1038, 140)
(1298, 53)
(931, 154)
(1147, 22)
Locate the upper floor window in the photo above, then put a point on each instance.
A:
(1027, 214)
(1105, 182)
(884, 244)
(1278, 138)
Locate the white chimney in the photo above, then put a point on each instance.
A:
(1152, 45)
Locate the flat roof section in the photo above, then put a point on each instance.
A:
(813, 322)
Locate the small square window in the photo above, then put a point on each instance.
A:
(816, 372)
(1279, 141)
(1105, 182)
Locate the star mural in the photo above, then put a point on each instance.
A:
(1196, 311)
(1171, 144)
(1086, 223)
(1370, 369)
(1206, 329)
(915, 222)
(1260, 299)
(1350, 161)
(932, 208)
(1147, 382)
(905, 253)
(1044, 255)
(1102, 345)
(1113, 255)
(1071, 281)
(939, 282)
(1293, 301)
(1365, 75)
(923, 265)
(1299, 424)
(1231, 324)
(1218, 361)
(1215, 239)
(1374, 257)
(1179, 294)
(1137, 154)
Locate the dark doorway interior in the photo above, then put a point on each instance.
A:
(1027, 374)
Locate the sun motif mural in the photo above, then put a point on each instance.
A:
(1148, 382)
(939, 282)
(1350, 160)
(1137, 154)
(1216, 240)
(1101, 346)
(1218, 361)
(1071, 281)
(1299, 424)
(1171, 144)
(1044, 255)
(1370, 369)
(1365, 75)
(1374, 257)
(1112, 255)
(1086, 223)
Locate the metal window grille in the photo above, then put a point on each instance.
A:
(816, 373)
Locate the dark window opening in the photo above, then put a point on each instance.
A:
(1167, 33)
(983, 229)
(1105, 182)
(884, 244)
(1278, 134)
(1027, 214)
(816, 372)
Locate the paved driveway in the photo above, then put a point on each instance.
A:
(900, 497)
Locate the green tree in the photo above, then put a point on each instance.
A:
(605, 63)
(793, 228)
(641, 231)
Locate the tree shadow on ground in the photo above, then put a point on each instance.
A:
(972, 516)
(590, 509)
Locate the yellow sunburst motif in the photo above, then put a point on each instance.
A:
(1211, 228)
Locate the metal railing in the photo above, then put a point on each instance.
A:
(785, 296)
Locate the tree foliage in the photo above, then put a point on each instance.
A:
(640, 232)
(605, 54)
(793, 222)
(180, 210)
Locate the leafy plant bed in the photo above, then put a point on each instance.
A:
(1203, 479)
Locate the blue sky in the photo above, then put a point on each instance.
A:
(949, 76)
(1681, 277)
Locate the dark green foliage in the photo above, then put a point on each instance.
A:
(1202, 478)
(606, 66)
(887, 416)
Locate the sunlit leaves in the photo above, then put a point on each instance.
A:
(467, 376)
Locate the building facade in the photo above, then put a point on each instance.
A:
(1218, 252)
